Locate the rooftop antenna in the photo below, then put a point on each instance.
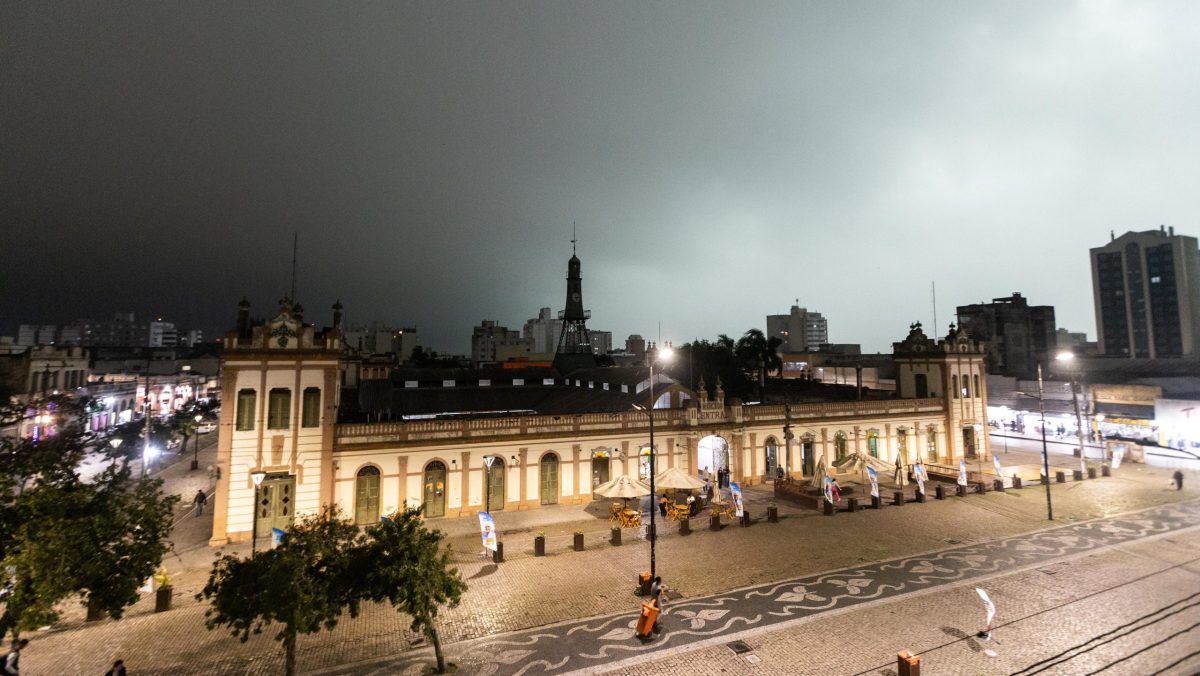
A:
(295, 247)
(573, 238)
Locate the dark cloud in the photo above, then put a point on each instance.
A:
(721, 160)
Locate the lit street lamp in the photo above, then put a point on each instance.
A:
(257, 478)
(664, 354)
(196, 453)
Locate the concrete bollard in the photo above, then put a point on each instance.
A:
(876, 503)
(829, 508)
(1106, 471)
(898, 498)
(998, 485)
(685, 527)
(1060, 477)
(1016, 482)
(921, 496)
(615, 537)
(1091, 472)
(939, 492)
(498, 555)
(1077, 475)
(853, 504)
(714, 522)
(961, 491)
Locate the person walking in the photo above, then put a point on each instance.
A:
(118, 669)
(12, 661)
(662, 505)
(198, 502)
(837, 492)
(1178, 477)
(658, 597)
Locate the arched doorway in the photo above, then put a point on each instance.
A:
(435, 489)
(932, 452)
(809, 461)
(839, 445)
(771, 468)
(873, 443)
(366, 496)
(968, 433)
(548, 479)
(601, 469)
(902, 445)
(494, 490)
(712, 454)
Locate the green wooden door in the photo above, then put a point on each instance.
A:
(435, 489)
(366, 499)
(495, 495)
(549, 479)
(810, 462)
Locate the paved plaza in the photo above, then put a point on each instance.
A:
(920, 597)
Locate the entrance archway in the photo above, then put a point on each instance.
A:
(873, 443)
(548, 479)
(968, 433)
(771, 465)
(435, 489)
(807, 451)
(494, 491)
(712, 454)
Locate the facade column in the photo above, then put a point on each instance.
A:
(402, 493)
(465, 501)
(524, 455)
(575, 470)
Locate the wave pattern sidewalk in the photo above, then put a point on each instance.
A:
(596, 643)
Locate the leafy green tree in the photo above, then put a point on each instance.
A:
(402, 562)
(61, 536)
(184, 424)
(303, 585)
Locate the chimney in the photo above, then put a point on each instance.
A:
(1171, 231)
(243, 318)
(1112, 235)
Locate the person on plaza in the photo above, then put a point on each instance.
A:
(118, 669)
(837, 492)
(12, 661)
(692, 506)
(1178, 477)
(662, 505)
(705, 491)
(658, 597)
(199, 501)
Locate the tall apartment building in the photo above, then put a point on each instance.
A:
(800, 330)
(1146, 288)
(489, 335)
(161, 334)
(542, 332)
(1016, 335)
(378, 338)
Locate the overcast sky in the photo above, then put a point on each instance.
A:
(721, 160)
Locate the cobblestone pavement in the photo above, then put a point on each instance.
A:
(1129, 610)
(527, 592)
(594, 643)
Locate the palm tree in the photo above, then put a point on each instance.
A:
(759, 354)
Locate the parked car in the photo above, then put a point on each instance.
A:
(206, 427)
(174, 443)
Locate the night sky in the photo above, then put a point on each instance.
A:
(720, 160)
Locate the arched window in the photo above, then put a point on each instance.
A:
(435, 489)
(954, 385)
(366, 496)
(872, 443)
(494, 498)
(902, 445)
(839, 445)
(966, 386)
(932, 445)
(977, 390)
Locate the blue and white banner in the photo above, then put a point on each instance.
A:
(487, 528)
(736, 491)
(962, 472)
(919, 475)
(276, 537)
(1117, 456)
(996, 464)
(874, 481)
(828, 489)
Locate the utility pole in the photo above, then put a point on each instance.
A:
(1045, 451)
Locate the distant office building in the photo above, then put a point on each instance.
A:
(635, 345)
(542, 332)
(1015, 334)
(601, 341)
(1146, 287)
(488, 336)
(161, 334)
(800, 330)
(378, 338)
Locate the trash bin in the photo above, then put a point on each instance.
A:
(645, 623)
(644, 583)
(908, 664)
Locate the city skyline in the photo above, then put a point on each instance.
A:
(718, 164)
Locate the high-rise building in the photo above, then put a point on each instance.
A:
(542, 332)
(1016, 335)
(162, 334)
(488, 336)
(800, 330)
(635, 344)
(1146, 287)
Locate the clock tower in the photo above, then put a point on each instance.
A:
(574, 344)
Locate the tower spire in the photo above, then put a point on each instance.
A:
(574, 342)
(574, 239)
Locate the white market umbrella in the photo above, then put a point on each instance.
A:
(623, 487)
(677, 478)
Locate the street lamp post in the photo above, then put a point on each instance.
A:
(257, 478)
(487, 482)
(1068, 357)
(146, 413)
(196, 452)
(1045, 452)
(664, 354)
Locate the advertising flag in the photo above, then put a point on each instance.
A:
(276, 537)
(874, 482)
(1118, 456)
(919, 475)
(487, 528)
(736, 491)
(962, 472)
(828, 489)
(991, 612)
(996, 463)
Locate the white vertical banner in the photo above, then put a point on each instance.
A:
(874, 481)
(736, 491)
(962, 472)
(487, 529)
(919, 475)
(990, 608)
(828, 489)
(996, 464)
(1118, 456)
